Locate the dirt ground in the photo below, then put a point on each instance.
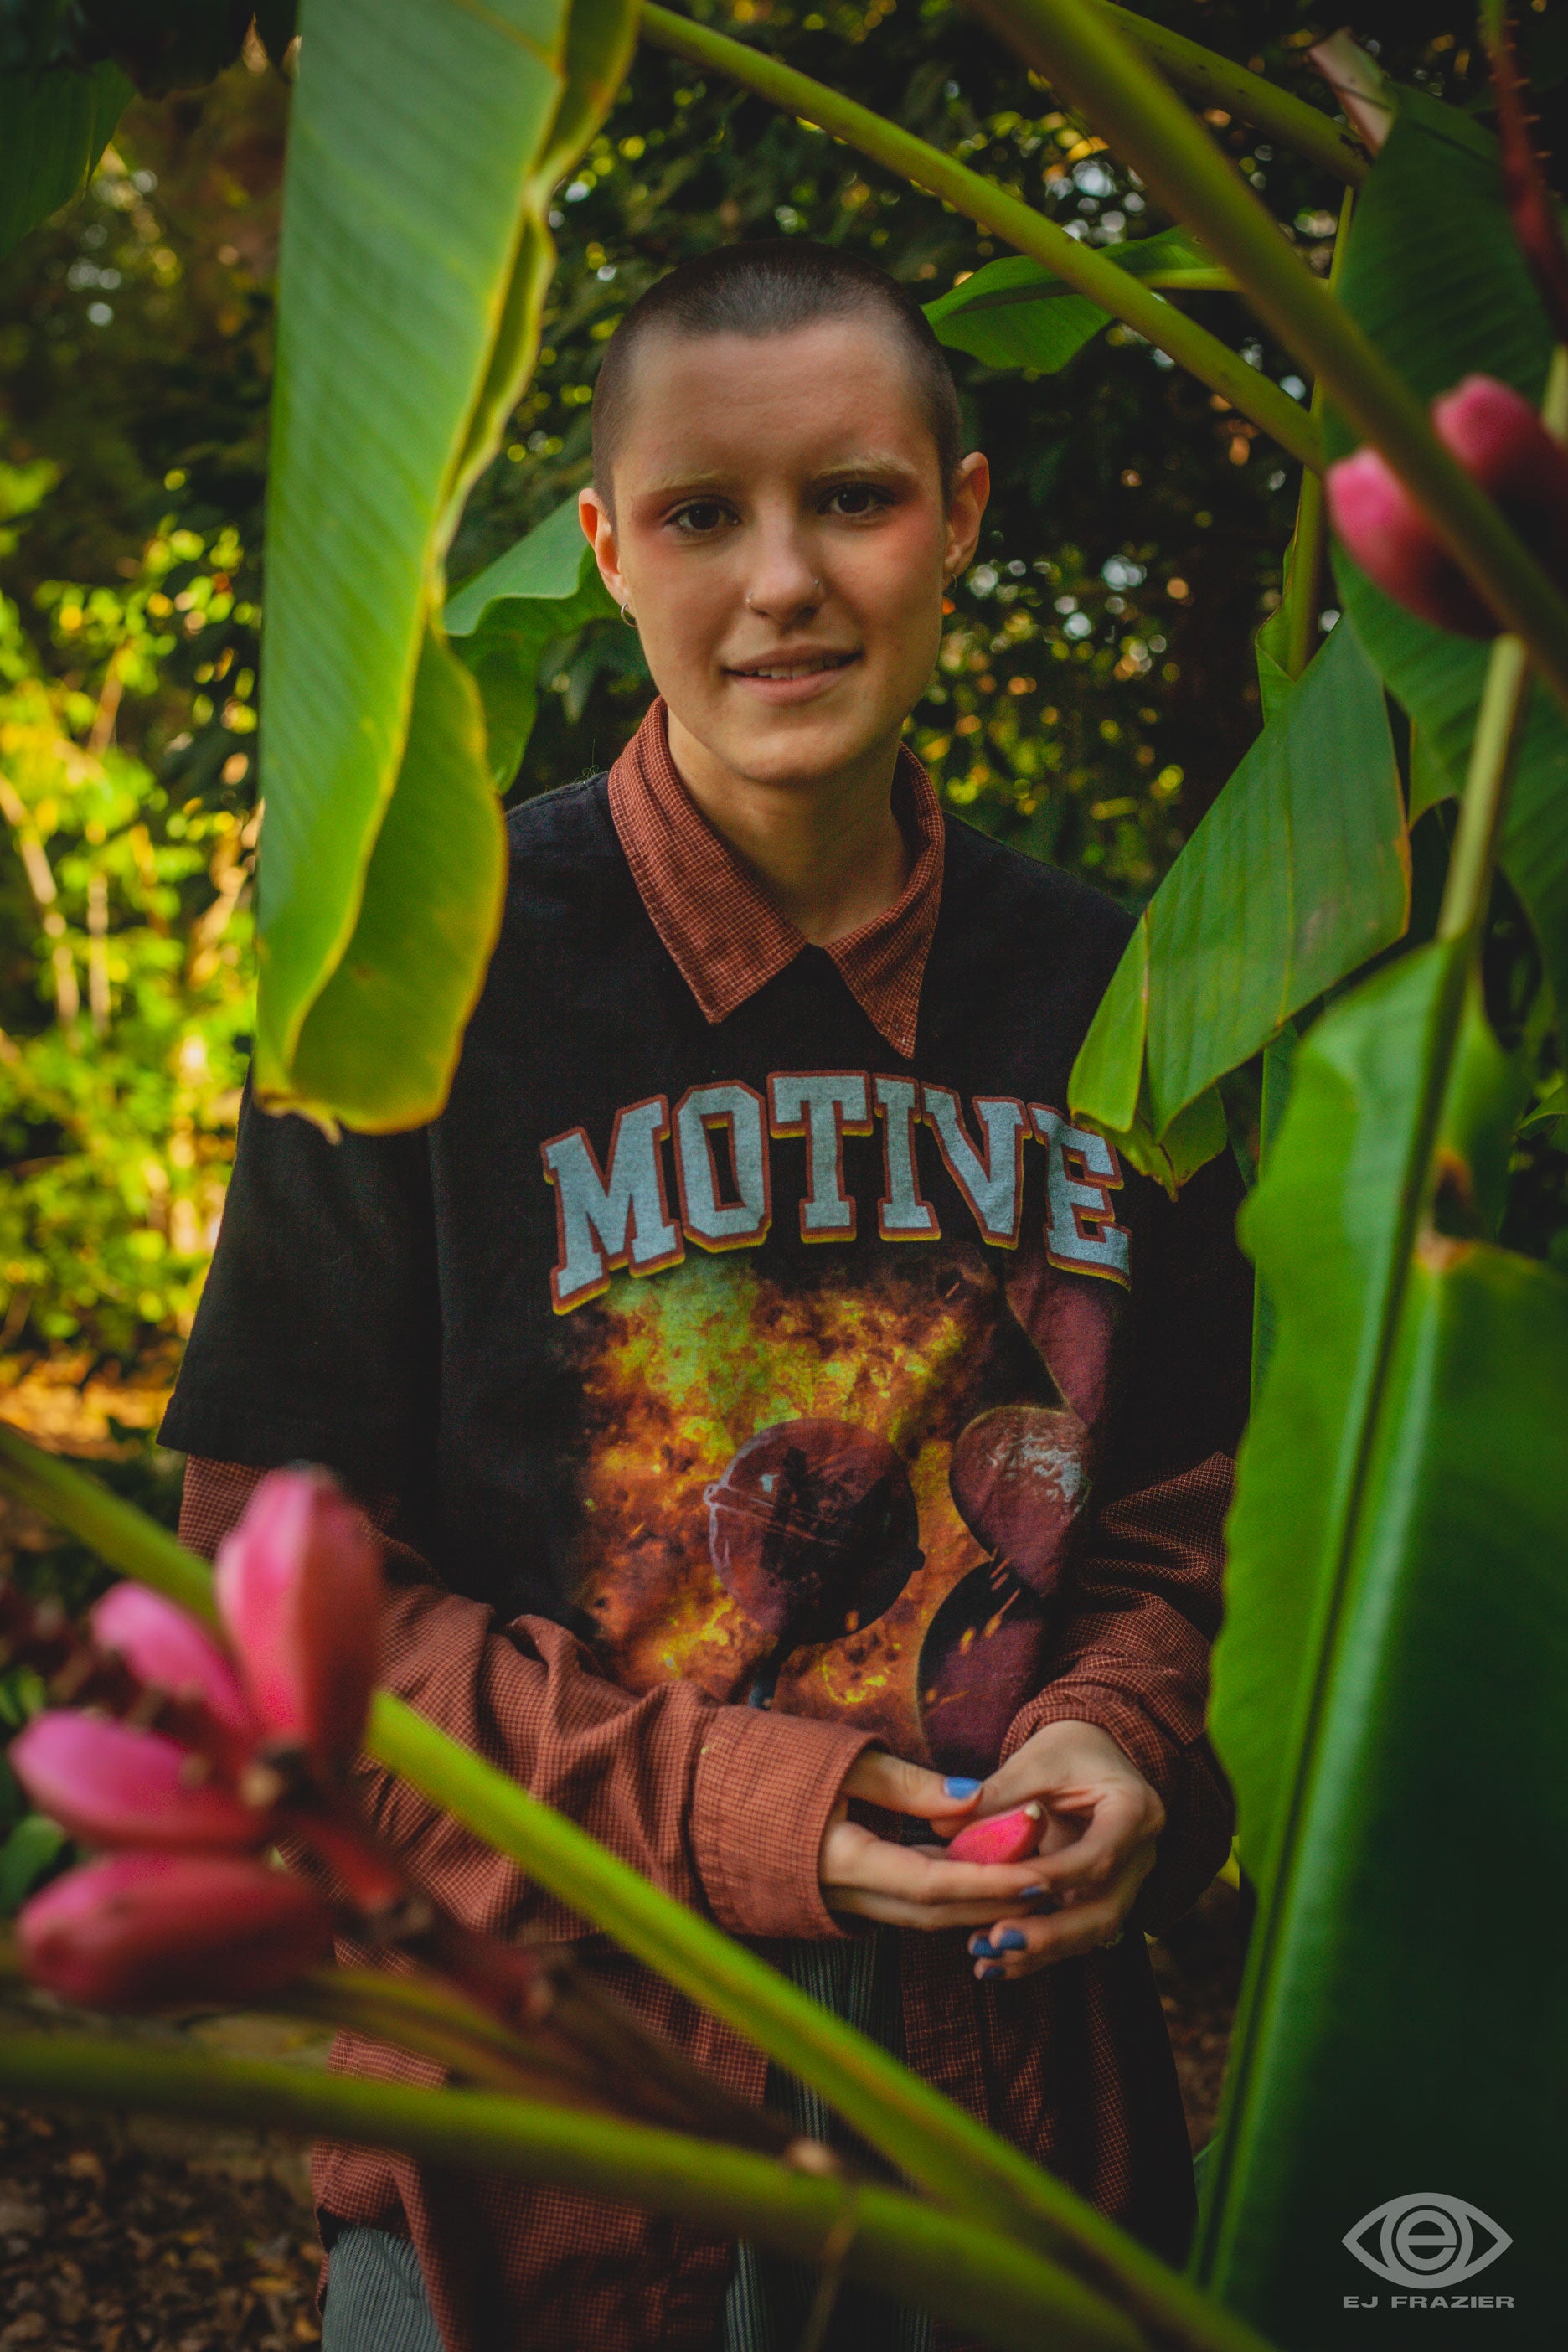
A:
(143, 2238)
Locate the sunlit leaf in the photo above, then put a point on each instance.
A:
(54, 126)
(422, 144)
(1387, 1695)
(500, 623)
(1297, 874)
(1435, 276)
(1017, 313)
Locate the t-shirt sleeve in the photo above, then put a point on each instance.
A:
(318, 1336)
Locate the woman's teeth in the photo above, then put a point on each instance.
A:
(801, 669)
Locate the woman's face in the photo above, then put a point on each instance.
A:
(781, 533)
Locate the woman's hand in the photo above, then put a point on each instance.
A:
(906, 1885)
(1097, 1848)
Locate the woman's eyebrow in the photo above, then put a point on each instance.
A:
(685, 485)
(867, 462)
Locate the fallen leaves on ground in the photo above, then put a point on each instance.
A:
(107, 2245)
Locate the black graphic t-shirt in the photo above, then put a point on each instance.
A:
(756, 1352)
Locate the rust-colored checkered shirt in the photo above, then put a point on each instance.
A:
(725, 1805)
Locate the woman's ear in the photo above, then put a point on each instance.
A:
(965, 506)
(599, 530)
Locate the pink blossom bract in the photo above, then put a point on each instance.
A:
(159, 1930)
(112, 1784)
(300, 1592)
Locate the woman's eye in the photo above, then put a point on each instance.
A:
(702, 515)
(856, 498)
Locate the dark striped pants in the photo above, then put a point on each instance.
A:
(375, 2297)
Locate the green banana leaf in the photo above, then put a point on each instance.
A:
(1296, 876)
(1387, 1686)
(500, 623)
(1019, 314)
(1435, 274)
(415, 256)
(30, 1849)
(54, 126)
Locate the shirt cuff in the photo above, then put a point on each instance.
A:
(764, 1789)
(1133, 1730)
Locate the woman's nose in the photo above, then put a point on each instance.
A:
(783, 588)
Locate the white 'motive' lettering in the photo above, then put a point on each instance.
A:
(717, 1224)
(901, 1215)
(824, 1106)
(1081, 1230)
(603, 1220)
(992, 1184)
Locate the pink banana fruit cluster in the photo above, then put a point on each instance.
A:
(179, 1903)
(1498, 438)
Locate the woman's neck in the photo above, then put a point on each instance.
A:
(829, 852)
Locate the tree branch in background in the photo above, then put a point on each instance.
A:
(1214, 80)
(1078, 264)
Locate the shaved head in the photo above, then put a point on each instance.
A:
(773, 288)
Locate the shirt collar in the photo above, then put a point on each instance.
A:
(726, 936)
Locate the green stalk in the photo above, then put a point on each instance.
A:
(944, 2151)
(1083, 51)
(1082, 266)
(1218, 82)
(969, 2277)
(1466, 885)
(432, 2022)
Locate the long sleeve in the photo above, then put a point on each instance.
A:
(723, 1807)
(1133, 1657)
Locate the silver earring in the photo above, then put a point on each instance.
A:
(629, 618)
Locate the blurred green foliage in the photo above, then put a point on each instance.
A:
(1095, 689)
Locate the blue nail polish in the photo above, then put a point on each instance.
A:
(981, 1947)
(962, 1790)
(995, 1969)
(1010, 1940)
(1041, 1898)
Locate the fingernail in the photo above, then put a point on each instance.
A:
(981, 1947)
(962, 1790)
(1041, 1898)
(995, 1969)
(1010, 1940)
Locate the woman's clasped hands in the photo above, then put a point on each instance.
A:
(1099, 1821)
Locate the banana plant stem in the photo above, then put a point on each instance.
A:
(1080, 265)
(1218, 82)
(1079, 48)
(931, 2141)
(433, 2023)
(972, 2278)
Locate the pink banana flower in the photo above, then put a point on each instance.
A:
(300, 1592)
(159, 1930)
(111, 1784)
(169, 1651)
(1497, 437)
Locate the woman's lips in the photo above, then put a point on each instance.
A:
(794, 681)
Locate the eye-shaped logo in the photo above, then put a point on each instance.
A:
(1425, 2240)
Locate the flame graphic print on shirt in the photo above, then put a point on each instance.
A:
(846, 1486)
